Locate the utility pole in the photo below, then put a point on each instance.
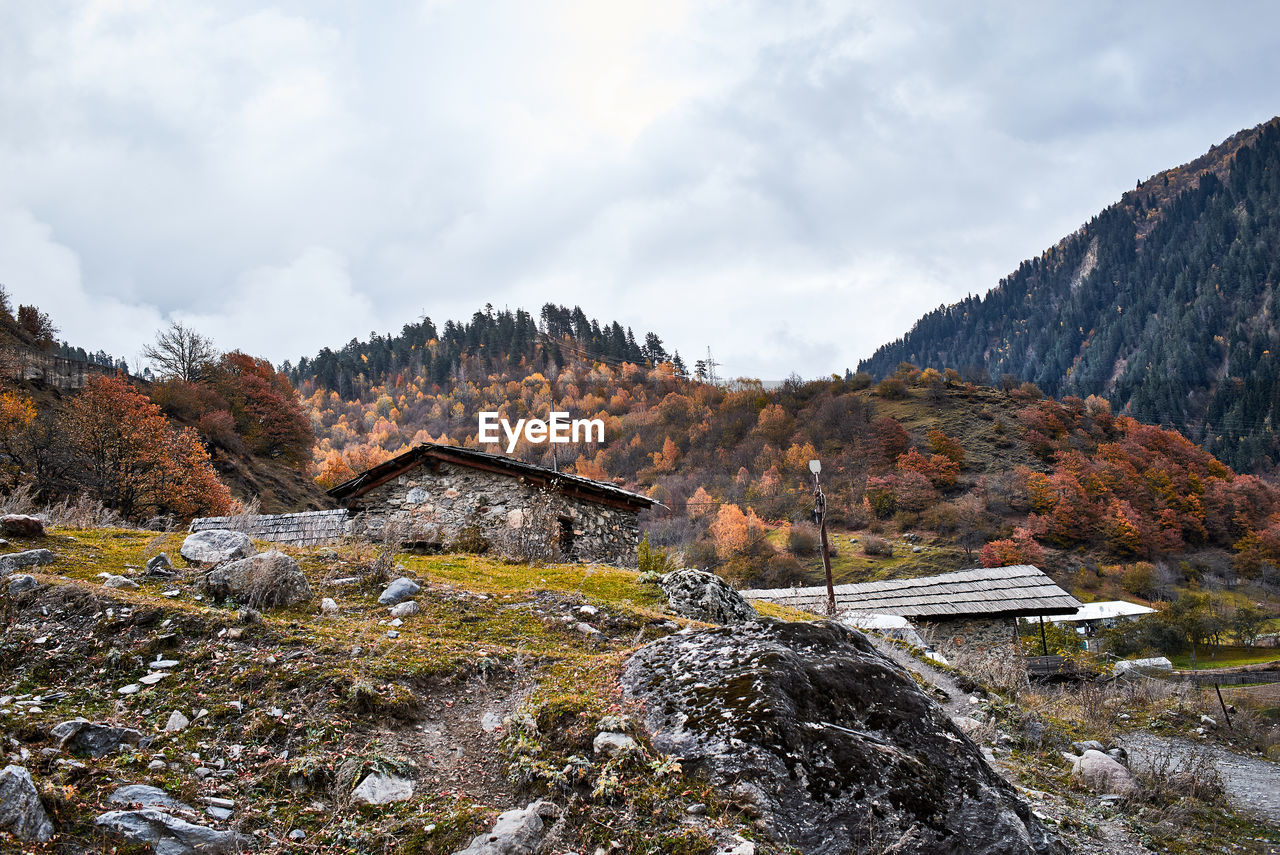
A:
(711, 367)
(820, 506)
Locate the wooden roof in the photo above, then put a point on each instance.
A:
(1020, 590)
(432, 454)
(308, 528)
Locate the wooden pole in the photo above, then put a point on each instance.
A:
(826, 556)
(1044, 645)
(1223, 704)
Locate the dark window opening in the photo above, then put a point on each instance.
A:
(566, 537)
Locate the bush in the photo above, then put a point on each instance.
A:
(652, 559)
(872, 545)
(803, 540)
(891, 388)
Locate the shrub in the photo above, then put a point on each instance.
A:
(891, 388)
(872, 545)
(803, 540)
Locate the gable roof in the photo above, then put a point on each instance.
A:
(1020, 590)
(433, 454)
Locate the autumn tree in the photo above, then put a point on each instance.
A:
(267, 411)
(1019, 549)
(129, 456)
(181, 353)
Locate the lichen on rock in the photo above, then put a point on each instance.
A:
(829, 744)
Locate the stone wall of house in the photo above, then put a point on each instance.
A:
(452, 503)
(964, 637)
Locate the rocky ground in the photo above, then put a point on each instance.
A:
(309, 702)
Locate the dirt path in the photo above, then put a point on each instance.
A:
(957, 703)
(1251, 783)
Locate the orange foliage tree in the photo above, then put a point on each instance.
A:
(126, 453)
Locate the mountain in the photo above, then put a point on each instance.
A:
(1165, 303)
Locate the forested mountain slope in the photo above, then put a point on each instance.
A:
(1165, 303)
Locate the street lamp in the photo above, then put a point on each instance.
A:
(820, 506)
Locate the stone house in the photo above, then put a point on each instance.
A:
(438, 496)
(963, 613)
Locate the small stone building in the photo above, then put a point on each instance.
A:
(966, 612)
(439, 496)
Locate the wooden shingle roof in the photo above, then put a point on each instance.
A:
(1020, 590)
(309, 528)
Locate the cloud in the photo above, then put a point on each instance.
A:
(790, 184)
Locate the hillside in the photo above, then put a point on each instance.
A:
(1165, 303)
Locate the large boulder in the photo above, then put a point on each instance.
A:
(705, 596)
(21, 812)
(30, 558)
(379, 789)
(21, 525)
(832, 747)
(517, 832)
(147, 796)
(94, 738)
(215, 546)
(1101, 773)
(269, 579)
(170, 835)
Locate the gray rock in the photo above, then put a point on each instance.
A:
(177, 721)
(21, 525)
(379, 789)
(94, 738)
(170, 835)
(21, 583)
(30, 558)
(22, 813)
(399, 591)
(408, 608)
(269, 579)
(705, 596)
(329, 606)
(807, 729)
(122, 582)
(215, 546)
(1101, 773)
(297, 835)
(610, 743)
(144, 796)
(219, 813)
(161, 566)
(517, 832)
(1208, 721)
(1087, 745)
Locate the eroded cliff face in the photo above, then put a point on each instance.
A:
(829, 744)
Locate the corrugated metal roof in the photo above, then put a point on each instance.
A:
(308, 528)
(988, 592)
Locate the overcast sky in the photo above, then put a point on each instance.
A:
(789, 184)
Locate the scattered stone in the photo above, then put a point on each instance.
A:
(329, 606)
(218, 813)
(391, 633)
(968, 724)
(1087, 745)
(22, 813)
(160, 565)
(1101, 773)
(409, 608)
(22, 582)
(30, 558)
(1155, 664)
(215, 546)
(516, 832)
(163, 664)
(94, 738)
(153, 678)
(610, 743)
(203, 772)
(490, 721)
(809, 730)
(379, 789)
(1208, 721)
(588, 610)
(218, 802)
(587, 629)
(21, 525)
(131, 689)
(269, 579)
(297, 835)
(177, 721)
(142, 795)
(399, 591)
(170, 835)
(705, 596)
(157, 765)
(696, 809)
(397, 623)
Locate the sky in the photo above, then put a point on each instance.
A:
(789, 184)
